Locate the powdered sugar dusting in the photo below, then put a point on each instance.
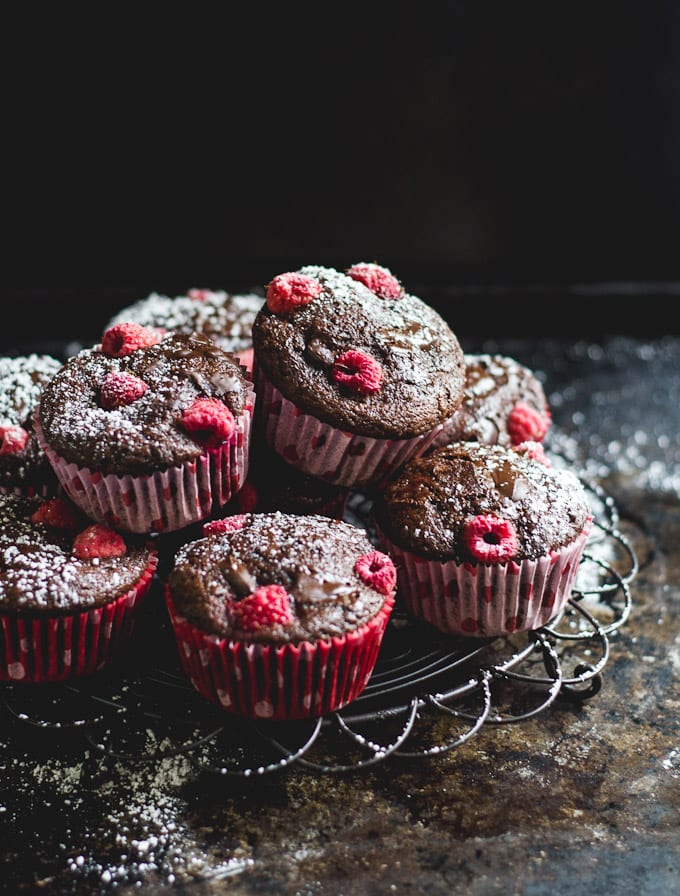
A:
(39, 571)
(226, 317)
(21, 382)
(139, 829)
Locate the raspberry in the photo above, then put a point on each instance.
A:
(358, 372)
(227, 524)
(123, 339)
(268, 605)
(98, 541)
(209, 421)
(14, 439)
(379, 280)
(119, 388)
(534, 450)
(289, 291)
(490, 539)
(377, 570)
(57, 513)
(527, 425)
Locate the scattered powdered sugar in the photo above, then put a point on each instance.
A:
(21, 382)
(123, 823)
(226, 317)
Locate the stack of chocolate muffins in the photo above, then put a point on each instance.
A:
(224, 435)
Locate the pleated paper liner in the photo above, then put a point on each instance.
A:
(279, 682)
(486, 599)
(50, 647)
(168, 499)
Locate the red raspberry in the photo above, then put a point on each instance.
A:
(289, 291)
(14, 439)
(490, 539)
(200, 295)
(534, 450)
(98, 541)
(227, 524)
(123, 339)
(268, 605)
(119, 388)
(210, 421)
(358, 372)
(377, 570)
(57, 513)
(527, 425)
(379, 280)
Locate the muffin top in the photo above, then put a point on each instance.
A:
(125, 406)
(280, 578)
(440, 504)
(503, 404)
(226, 318)
(23, 464)
(54, 560)
(370, 359)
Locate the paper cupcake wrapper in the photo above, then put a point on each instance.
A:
(282, 683)
(40, 648)
(486, 600)
(324, 451)
(168, 499)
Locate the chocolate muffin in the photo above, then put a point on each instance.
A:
(486, 540)
(280, 615)
(226, 318)
(355, 375)
(24, 468)
(69, 589)
(148, 433)
(504, 403)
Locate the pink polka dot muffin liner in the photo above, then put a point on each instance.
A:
(280, 682)
(168, 499)
(324, 451)
(39, 648)
(486, 600)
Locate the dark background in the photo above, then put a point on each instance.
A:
(515, 163)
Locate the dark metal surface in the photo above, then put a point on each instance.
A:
(580, 787)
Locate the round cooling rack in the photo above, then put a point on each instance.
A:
(150, 711)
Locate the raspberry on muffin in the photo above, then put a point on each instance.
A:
(148, 433)
(487, 540)
(280, 616)
(354, 375)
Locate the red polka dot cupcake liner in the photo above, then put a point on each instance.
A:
(40, 648)
(280, 682)
(486, 600)
(324, 451)
(168, 499)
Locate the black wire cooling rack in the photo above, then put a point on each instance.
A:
(150, 711)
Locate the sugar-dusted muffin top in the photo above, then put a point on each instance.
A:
(143, 432)
(23, 464)
(226, 318)
(416, 355)
(504, 403)
(313, 558)
(426, 509)
(39, 572)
